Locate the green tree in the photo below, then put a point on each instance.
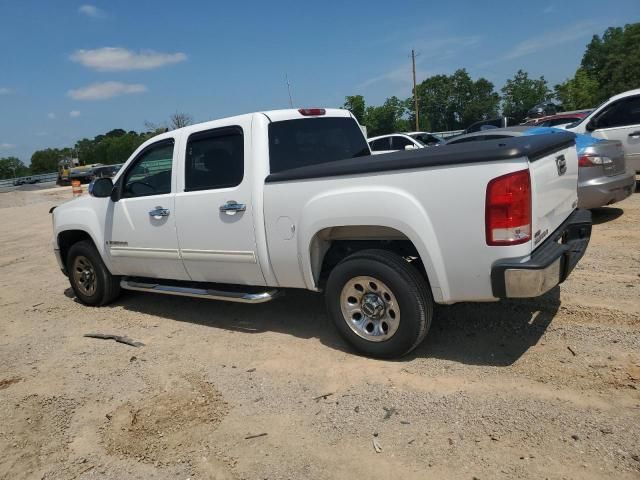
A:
(387, 118)
(520, 93)
(455, 101)
(11, 167)
(581, 91)
(113, 147)
(46, 161)
(355, 104)
(613, 60)
(482, 104)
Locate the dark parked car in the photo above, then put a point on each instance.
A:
(482, 125)
(543, 109)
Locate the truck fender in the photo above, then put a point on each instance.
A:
(374, 206)
(85, 219)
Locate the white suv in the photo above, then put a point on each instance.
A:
(616, 119)
(403, 141)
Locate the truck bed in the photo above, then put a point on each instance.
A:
(533, 147)
(433, 197)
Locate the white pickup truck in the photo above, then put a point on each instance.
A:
(242, 208)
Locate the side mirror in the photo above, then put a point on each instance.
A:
(591, 125)
(101, 187)
(410, 147)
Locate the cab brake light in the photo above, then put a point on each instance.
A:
(508, 209)
(311, 112)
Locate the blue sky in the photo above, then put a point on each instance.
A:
(70, 70)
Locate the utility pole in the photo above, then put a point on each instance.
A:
(289, 90)
(415, 92)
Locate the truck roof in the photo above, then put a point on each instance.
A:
(276, 116)
(635, 91)
(294, 113)
(272, 115)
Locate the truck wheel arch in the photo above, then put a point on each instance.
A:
(67, 238)
(330, 245)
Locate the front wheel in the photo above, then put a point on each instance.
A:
(90, 279)
(380, 303)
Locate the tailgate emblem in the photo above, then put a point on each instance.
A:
(561, 163)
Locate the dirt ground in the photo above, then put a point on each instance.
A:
(546, 388)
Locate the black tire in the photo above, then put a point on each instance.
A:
(411, 292)
(107, 286)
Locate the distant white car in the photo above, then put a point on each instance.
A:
(403, 141)
(616, 119)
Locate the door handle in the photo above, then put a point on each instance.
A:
(159, 212)
(232, 207)
(634, 134)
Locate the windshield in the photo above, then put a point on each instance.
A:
(311, 141)
(575, 124)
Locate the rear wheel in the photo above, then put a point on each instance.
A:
(90, 279)
(380, 303)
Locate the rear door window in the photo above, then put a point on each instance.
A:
(381, 144)
(214, 159)
(312, 141)
(398, 142)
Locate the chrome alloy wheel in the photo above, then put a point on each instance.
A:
(370, 309)
(84, 275)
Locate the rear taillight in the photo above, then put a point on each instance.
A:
(508, 209)
(312, 112)
(593, 160)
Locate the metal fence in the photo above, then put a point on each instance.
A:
(449, 133)
(42, 177)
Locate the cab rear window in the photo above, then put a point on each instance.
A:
(311, 141)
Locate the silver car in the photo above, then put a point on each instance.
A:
(603, 177)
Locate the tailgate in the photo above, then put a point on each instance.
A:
(554, 185)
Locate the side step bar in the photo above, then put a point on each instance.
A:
(240, 297)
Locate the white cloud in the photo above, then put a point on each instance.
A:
(434, 49)
(546, 40)
(74, 113)
(7, 146)
(91, 11)
(105, 90)
(51, 115)
(109, 59)
(5, 91)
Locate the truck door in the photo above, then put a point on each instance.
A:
(140, 229)
(214, 211)
(621, 121)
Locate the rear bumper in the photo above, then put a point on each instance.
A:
(605, 190)
(549, 265)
